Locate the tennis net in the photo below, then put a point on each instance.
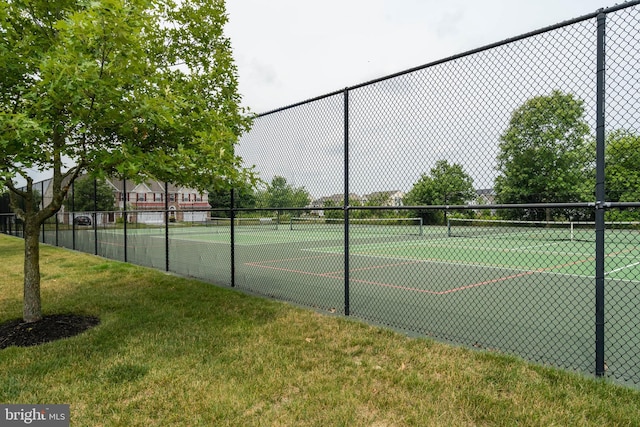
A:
(386, 226)
(263, 223)
(584, 231)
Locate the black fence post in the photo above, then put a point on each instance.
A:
(95, 216)
(42, 206)
(57, 222)
(347, 302)
(232, 214)
(166, 226)
(124, 216)
(600, 196)
(73, 215)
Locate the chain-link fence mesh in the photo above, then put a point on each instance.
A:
(456, 200)
(622, 185)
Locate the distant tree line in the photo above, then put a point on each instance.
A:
(269, 196)
(545, 156)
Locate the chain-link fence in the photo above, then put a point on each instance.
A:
(465, 200)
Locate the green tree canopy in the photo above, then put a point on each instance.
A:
(622, 157)
(280, 194)
(339, 213)
(542, 155)
(220, 198)
(446, 184)
(85, 190)
(140, 89)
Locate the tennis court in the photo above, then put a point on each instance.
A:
(526, 291)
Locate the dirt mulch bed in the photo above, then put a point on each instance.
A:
(50, 328)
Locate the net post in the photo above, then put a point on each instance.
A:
(448, 227)
(421, 230)
(571, 235)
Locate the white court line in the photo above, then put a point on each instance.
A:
(622, 268)
(431, 244)
(457, 264)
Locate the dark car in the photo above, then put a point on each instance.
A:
(82, 220)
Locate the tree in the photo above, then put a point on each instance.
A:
(380, 198)
(446, 184)
(354, 200)
(91, 195)
(139, 89)
(542, 154)
(220, 198)
(622, 157)
(280, 194)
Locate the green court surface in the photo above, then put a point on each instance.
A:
(520, 293)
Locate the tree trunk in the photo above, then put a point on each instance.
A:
(32, 310)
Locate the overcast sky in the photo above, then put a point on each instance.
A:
(288, 51)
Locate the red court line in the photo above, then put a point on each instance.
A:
(515, 276)
(487, 282)
(339, 275)
(448, 291)
(373, 267)
(333, 275)
(290, 270)
(257, 264)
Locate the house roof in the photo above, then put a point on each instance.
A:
(338, 198)
(381, 193)
(486, 192)
(152, 186)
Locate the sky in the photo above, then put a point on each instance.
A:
(288, 51)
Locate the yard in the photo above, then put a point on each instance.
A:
(175, 351)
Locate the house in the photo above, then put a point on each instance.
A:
(145, 203)
(486, 196)
(334, 200)
(377, 198)
(384, 198)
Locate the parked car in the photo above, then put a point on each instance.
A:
(82, 220)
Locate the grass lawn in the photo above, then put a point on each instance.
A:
(174, 351)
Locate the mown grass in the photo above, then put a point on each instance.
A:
(173, 351)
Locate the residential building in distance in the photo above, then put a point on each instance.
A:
(145, 203)
(377, 198)
(486, 196)
(384, 198)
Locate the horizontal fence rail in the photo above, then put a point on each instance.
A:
(489, 199)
